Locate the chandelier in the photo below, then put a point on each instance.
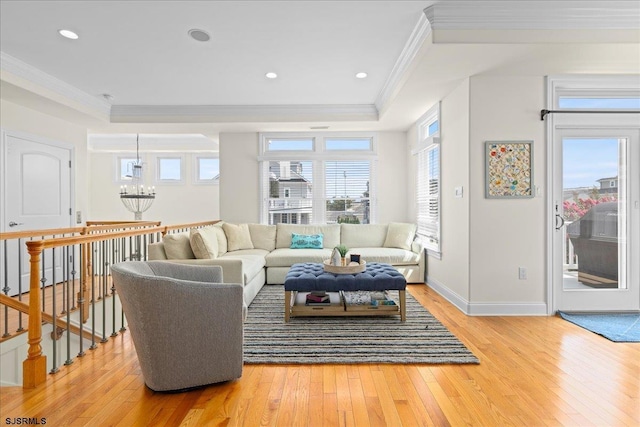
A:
(134, 197)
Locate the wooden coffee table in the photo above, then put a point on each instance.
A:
(308, 277)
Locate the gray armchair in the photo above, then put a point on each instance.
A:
(185, 324)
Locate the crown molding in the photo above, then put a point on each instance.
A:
(241, 113)
(33, 75)
(400, 70)
(534, 15)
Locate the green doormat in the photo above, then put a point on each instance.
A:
(422, 339)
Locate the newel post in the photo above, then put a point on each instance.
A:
(34, 368)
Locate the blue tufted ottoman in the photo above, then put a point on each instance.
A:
(307, 277)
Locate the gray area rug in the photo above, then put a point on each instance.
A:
(422, 339)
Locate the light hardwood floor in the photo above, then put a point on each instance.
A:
(534, 371)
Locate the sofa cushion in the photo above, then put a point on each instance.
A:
(285, 257)
(222, 238)
(177, 246)
(400, 235)
(330, 232)
(363, 235)
(263, 236)
(204, 243)
(306, 241)
(393, 256)
(238, 236)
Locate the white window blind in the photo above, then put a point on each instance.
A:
(428, 196)
(347, 191)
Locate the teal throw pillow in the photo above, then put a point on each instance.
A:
(306, 241)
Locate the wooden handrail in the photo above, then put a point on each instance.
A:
(191, 225)
(91, 226)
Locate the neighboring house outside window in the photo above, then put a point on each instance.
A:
(428, 180)
(316, 178)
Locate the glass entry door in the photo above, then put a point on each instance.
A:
(595, 204)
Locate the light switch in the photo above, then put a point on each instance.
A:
(458, 192)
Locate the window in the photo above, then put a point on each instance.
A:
(347, 191)
(169, 169)
(601, 103)
(428, 181)
(125, 168)
(207, 170)
(348, 144)
(289, 144)
(327, 180)
(289, 189)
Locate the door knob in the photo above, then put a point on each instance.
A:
(13, 223)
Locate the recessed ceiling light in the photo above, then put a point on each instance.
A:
(271, 75)
(68, 34)
(200, 35)
(361, 75)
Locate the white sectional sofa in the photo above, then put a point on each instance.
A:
(256, 254)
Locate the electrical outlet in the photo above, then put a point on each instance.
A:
(522, 273)
(78, 217)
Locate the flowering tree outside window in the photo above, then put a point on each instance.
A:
(575, 209)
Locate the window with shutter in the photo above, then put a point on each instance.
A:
(428, 181)
(340, 165)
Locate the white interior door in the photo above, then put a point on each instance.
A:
(36, 194)
(596, 208)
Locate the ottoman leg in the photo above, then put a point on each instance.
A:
(403, 306)
(287, 305)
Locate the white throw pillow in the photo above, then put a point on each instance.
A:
(238, 236)
(400, 235)
(222, 238)
(204, 242)
(177, 246)
(263, 236)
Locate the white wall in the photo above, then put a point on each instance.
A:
(451, 272)
(239, 177)
(15, 117)
(484, 241)
(174, 204)
(392, 178)
(507, 234)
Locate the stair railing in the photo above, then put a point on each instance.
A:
(93, 249)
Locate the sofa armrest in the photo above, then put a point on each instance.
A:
(232, 269)
(206, 274)
(417, 246)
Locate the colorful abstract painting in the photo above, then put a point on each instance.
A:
(509, 169)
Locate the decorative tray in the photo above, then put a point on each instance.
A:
(347, 269)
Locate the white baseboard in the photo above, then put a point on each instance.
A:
(508, 309)
(449, 295)
(487, 309)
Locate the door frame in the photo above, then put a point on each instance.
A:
(619, 299)
(4, 134)
(577, 85)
